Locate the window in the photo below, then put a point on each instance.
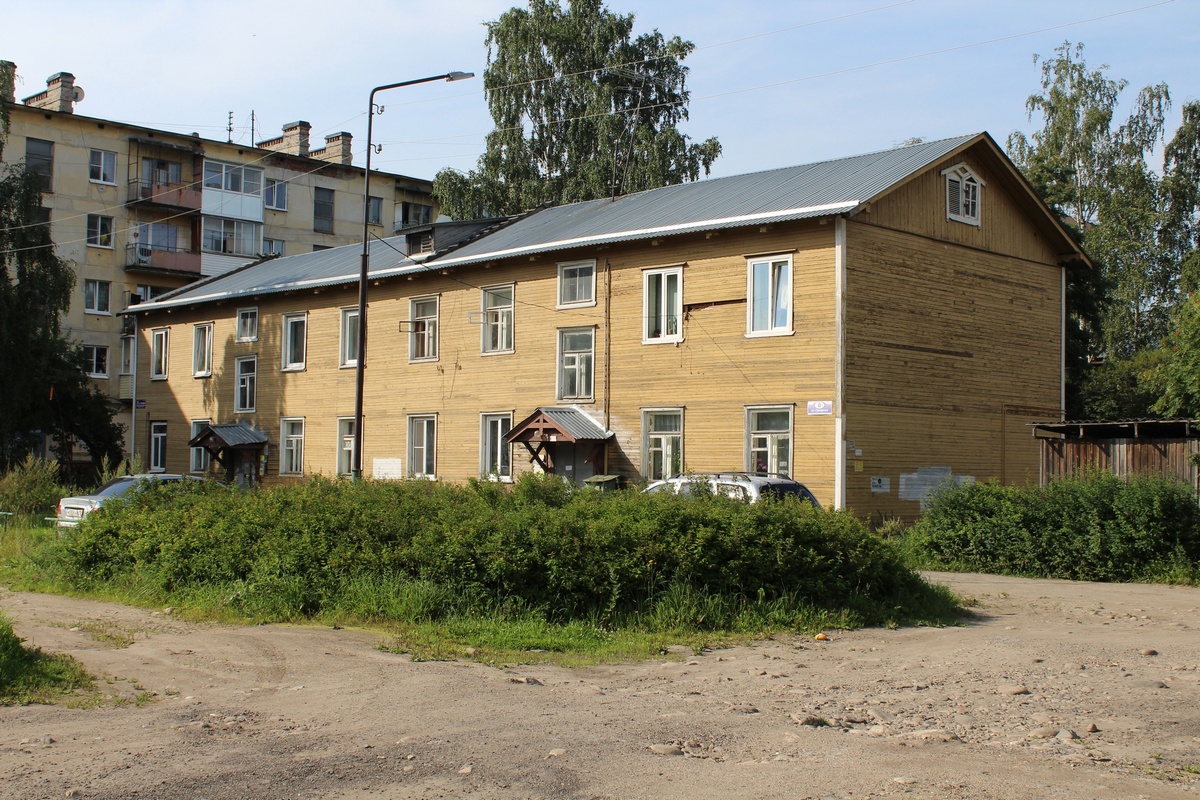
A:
(199, 456)
(962, 194)
(202, 350)
(102, 167)
(272, 247)
(345, 446)
(295, 335)
(577, 284)
(97, 296)
(39, 159)
(247, 325)
(291, 441)
(423, 345)
(575, 347)
(495, 454)
(159, 339)
(154, 236)
(498, 319)
(159, 172)
(232, 178)
(415, 214)
(769, 310)
(126, 355)
(422, 447)
(232, 236)
(348, 349)
(158, 447)
(96, 360)
(275, 194)
(99, 231)
(769, 440)
(663, 305)
(663, 444)
(148, 292)
(375, 211)
(323, 210)
(246, 377)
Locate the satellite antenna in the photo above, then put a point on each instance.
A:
(77, 94)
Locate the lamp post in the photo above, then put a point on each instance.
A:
(361, 361)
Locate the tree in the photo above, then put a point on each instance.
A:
(582, 110)
(45, 388)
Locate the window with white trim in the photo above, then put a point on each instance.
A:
(576, 348)
(577, 284)
(769, 296)
(295, 340)
(231, 236)
(95, 358)
(662, 305)
(245, 372)
(127, 355)
(662, 443)
(159, 352)
(291, 446)
(99, 231)
(202, 350)
(97, 296)
(769, 440)
(275, 194)
(422, 446)
(272, 247)
(247, 325)
(345, 445)
(423, 343)
(348, 347)
(962, 194)
(495, 454)
(158, 447)
(232, 178)
(102, 167)
(200, 458)
(498, 319)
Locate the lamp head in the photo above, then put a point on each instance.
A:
(459, 76)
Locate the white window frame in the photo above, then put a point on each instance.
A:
(564, 280)
(202, 350)
(158, 447)
(99, 291)
(126, 366)
(422, 456)
(199, 458)
(98, 357)
(660, 317)
(291, 446)
(669, 443)
(272, 247)
(295, 325)
(345, 445)
(100, 231)
(227, 176)
(247, 319)
(160, 353)
(578, 362)
(424, 329)
(229, 236)
(770, 444)
(245, 389)
(275, 194)
(498, 320)
(963, 195)
(495, 454)
(773, 297)
(102, 167)
(348, 338)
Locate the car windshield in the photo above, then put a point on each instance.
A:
(117, 486)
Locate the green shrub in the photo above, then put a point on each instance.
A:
(27, 675)
(1094, 527)
(32, 487)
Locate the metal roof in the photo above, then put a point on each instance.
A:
(575, 422)
(1178, 428)
(232, 434)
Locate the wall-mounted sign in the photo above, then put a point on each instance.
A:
(139, 404)
(881, 485)
(820, 407)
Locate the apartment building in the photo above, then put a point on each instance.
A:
(139, 212)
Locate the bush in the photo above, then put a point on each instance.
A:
(1094, 527)
(416, 549)
(32, 487)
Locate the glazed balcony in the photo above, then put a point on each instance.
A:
(167, 195)
(169, 259)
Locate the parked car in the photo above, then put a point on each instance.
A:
(746, 486)
(72, 510)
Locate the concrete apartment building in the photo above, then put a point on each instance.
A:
(139, 211)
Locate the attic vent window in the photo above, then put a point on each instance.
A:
(962, 194)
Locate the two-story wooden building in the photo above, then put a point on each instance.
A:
(872, 326)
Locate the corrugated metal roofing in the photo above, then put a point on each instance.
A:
(234, 434)
(576, 423)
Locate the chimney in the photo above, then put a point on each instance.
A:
(8, 82)
(294, 140)
(59, 94)
(336, 149)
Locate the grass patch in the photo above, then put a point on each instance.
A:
(28, 675)
(107, 632)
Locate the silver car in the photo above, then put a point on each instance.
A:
(745, 486)
(72, 510)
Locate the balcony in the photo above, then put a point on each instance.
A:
(168, 259)
(125, 387)
(166, 195)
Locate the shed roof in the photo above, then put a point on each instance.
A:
(572, 424)
(1177, 428)
(229, 434)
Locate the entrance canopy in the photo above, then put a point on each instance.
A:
(547, 427)
(236, 446)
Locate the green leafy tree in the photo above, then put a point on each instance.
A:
(44, 386)
(1178, 377)
(583, 109)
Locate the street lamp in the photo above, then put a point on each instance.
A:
(359, 375)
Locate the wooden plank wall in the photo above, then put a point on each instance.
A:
(1122, 457)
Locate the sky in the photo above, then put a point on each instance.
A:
(778, 82)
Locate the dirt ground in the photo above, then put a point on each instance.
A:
(1055, 689)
